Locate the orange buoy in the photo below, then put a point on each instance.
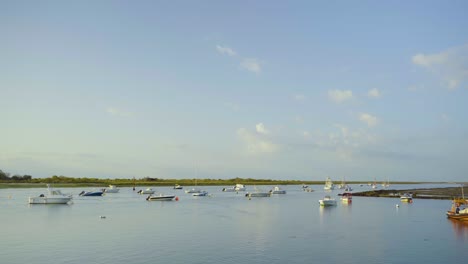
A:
(177, 198)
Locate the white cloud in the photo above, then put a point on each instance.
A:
(260, 128)
(339, 96)
(256, 144)
(374, 93)
(370, 120)
(225, 50)
(118, 112)
(252, 65)
(451, 65)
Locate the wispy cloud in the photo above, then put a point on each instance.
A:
(252, 65)
(226, 50)
(339, 96)
(374, 93)
(261, 129)
(256, 143)
(369, 119)
(118, 112)
(451, 65)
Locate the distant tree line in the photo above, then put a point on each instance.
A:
(5, 176)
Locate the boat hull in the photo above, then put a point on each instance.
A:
(161, 198)
(327, 202)
(48, 200)
(460, 217)
(279, 192)
(92, 194)
(258, 194)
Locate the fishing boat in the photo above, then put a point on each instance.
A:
(327, 201)
(160, 197)
(112, 189)
(277, 190)
(329, 184)
(406, 198)
(147, 191)
(178, 187)
(52, 197)
(91, 193)
(459, 209)
(347, 198)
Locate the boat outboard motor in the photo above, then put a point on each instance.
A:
(81, 193)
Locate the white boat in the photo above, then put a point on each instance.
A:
(329, 184)
(327, 201)
(347, 198)
(240, 187)
(160, 197)
(52, 197)
(147, 191)
(194, 190)
(112, 189)
(406, 198)
(178, 187)
(237, 188)
(229, 189)
(201, 193)
(277, 190)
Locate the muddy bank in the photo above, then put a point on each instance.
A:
(447, 193)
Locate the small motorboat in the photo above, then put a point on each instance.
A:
(91, 193)
(229, 189)
(277, 190)
(177, 187)
(329, 185)
(304, 186)
(406, 198)
(160, 197)
(147, 191)
(52, 197)
(258, 194)
(193, 190)
(236, 188)
(112, 189)
(201, 193)
(347, 198)
(327, 201)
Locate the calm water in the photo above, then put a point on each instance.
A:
(227, 228)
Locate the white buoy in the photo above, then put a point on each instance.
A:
(397, 205)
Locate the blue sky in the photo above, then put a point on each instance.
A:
(296, 90)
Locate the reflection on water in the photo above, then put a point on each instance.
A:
(460, 228)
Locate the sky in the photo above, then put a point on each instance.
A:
(292, 90)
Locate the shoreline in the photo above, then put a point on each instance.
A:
(445, 193)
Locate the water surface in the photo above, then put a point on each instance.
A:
(227, 228)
